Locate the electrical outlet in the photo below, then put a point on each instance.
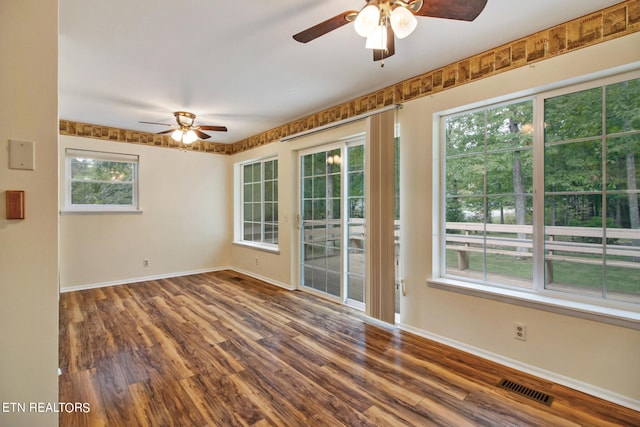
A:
(145, 262)
(257, 261)
(520, 331)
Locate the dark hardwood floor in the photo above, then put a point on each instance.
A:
(222, 349)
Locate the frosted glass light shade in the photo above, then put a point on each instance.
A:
(403, 22)
(189, 137)
(377, 40)
(367, 21)
(176, 135)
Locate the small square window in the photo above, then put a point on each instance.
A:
(99, 181)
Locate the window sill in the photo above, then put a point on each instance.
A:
(100, 211)
(614, 316)
(258, 246)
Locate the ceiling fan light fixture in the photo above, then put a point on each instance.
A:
(184, 118)
(367, 21)
(185, 136)
(378, 40)
(403, 22)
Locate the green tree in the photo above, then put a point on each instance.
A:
(96, 182)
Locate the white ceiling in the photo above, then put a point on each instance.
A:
(236, 64)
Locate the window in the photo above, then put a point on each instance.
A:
(555, 213)
(98, 181)
(260, 202)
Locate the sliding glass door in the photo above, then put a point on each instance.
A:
(332, 221)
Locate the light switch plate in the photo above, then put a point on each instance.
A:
(22, 155)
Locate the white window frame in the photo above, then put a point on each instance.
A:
(71, 153)
(614, 312)
(267, 246)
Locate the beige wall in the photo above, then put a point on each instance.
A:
(29, 247)
(185, 224)
(566, 349)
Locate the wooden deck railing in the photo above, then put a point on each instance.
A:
(560, 244)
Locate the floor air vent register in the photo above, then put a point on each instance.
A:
(525, 391)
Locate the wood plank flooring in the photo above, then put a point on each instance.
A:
(223, 349)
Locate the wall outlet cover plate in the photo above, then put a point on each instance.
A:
(22, 155)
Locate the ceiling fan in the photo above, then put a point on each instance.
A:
(380, 21)
(185, 131)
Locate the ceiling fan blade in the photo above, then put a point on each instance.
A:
(201, 134)
(215, 128)
(379, 54)
(325, 26)
(462, 10)
(156, 123)
(165, 131)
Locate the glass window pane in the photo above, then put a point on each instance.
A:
(101, 193)
(334, 161)
(257, 190)
(356, 184)
(510, 172)
(510, 126)
(320, 163)
(465, 175)
(623, 162)
(572, 210)
(307, 210)
(356, 158)
(307, 165)
(268, 212)
(319, 209)
(320, 187)
(465, 134)
(257, 215)
(623, 106)
(268, 170)
(248, 193)
(334, 181)
(247, 173)
(575, 115)
(356, 207)
(512, 209)
(336, 208)
(257, 172)
(268, 191)
(307, 188)
(574, 166)
(248, 211)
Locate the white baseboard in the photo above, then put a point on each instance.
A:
(140, 279)
(169, 275)
(529, 369)
(263, 278)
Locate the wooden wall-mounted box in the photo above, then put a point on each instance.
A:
(15, 204)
